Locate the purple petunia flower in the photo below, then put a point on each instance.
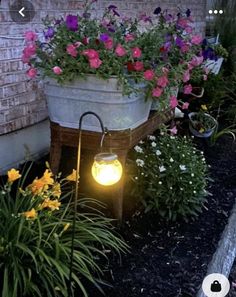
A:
(49, 33)
(72, 22)
(104, 37)
(179, 41)
(157, 11)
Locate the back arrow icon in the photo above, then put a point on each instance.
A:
(21, 11)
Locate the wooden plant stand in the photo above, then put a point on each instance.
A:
(119, 142)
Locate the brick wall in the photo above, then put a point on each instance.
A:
(21, 101)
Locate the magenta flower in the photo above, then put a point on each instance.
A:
(72, 22)
(77, 44)
(30, 36)
(91, 53)
(185, 105)
(149, 74)
(57, 70)
(185, 48)
(196, 61)
(72, 50)
(120, 51)
(189, 30)
(183, 23)
(188, 89)
(136, 52)
(196, 39)
(162, 81)
(32, 72)
(25, 59)
(129, 37)
(173, 101)
(109, 44)
(186, 76)
(204, 77)
(29, 51)
(95, 63)
(138, 66)
(173, 131)
(157, 92)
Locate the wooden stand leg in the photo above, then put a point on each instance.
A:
(55, 157)
(117, 193)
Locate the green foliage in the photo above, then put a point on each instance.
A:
(35, 239)
(170, 177)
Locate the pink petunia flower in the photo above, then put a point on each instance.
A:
(188, 89)
(189, 29)
(29, 51)
(136, 52)
(120, 51)
(57, 70)
(149, 74)
(138, 66)
(95, 63)
(30, 36)
(109, 43)
(25, 59)
(173, 101)
(204, 77)
(196, 61)
(157, 92)
(185, 105)
(186, 76)
(184, 48)
(72, 50)
(162, 81)
(184, 23)
(196, 39)
(91, 53)
(129, 37)
(173, 131)
(77, 44)
(32, 72)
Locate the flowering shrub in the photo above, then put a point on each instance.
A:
(35, 239)
(170, 176)
(159, 51)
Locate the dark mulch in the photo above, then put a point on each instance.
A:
(171, 260)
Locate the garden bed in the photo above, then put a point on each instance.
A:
(171, 259)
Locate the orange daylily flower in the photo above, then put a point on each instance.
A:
(13, 175)
(52, 204)
(72, 176)
(31, 214)
(56, 190)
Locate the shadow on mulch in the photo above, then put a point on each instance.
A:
(170, 260)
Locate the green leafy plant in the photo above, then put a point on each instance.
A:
(35, 238)
(170, 177)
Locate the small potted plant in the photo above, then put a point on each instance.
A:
(201, 124)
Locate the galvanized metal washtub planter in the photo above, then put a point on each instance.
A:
(67, 102)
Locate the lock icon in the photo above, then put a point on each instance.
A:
(216, 286)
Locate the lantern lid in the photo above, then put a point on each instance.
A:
(105, 157)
